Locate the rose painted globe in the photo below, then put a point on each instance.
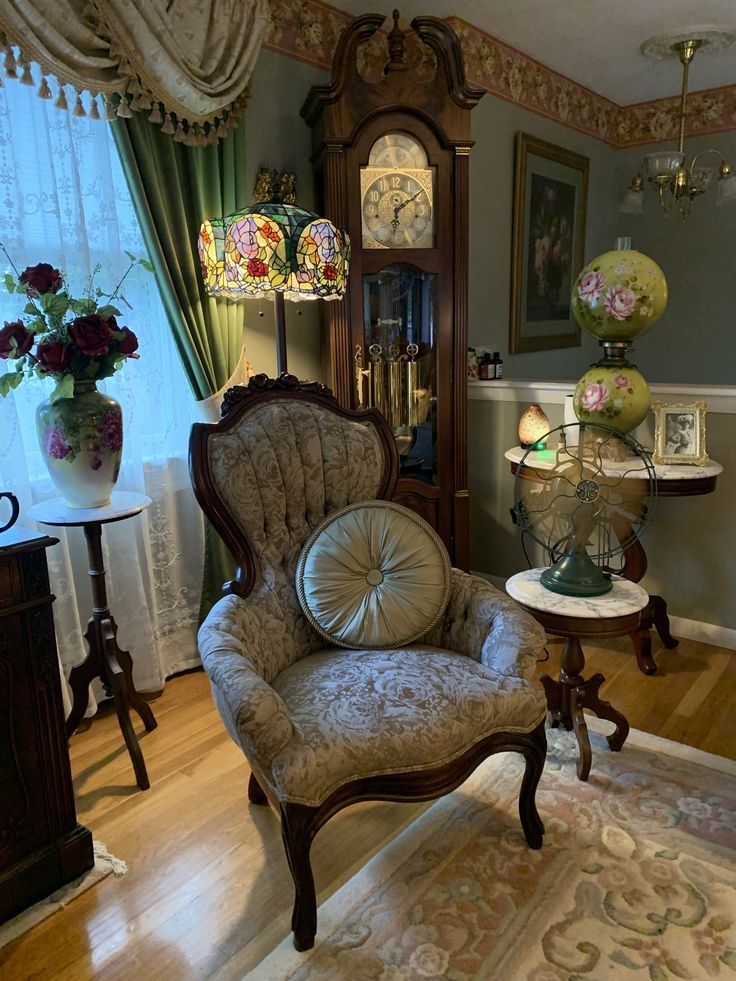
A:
(619, 295)
(616, 396)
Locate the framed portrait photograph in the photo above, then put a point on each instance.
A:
(679, 433)
(548, 241)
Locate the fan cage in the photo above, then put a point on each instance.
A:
(622, 505)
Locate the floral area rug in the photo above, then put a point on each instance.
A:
(636, 879)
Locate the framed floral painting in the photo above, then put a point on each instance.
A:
(548, 239)
(679, 433)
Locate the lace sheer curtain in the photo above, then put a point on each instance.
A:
(64, 200)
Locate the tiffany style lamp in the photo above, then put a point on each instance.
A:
(276, 249)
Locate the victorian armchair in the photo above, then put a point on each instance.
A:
(309, 718)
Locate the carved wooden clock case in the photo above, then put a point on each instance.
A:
(392, 158)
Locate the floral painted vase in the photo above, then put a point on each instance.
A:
(614, 395)
(619, 295)
(82, 444)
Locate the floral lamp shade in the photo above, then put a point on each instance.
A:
(274, 248)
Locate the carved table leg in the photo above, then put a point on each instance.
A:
(567, 698)
(656, 613)
(585, 757)
(642, 641)
(108, 662)
(587, 697)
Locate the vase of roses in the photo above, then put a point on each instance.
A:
(75, 342)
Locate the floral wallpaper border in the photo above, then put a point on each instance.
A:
(308, 31)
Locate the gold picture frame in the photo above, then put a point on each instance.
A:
(679, 433)
(547, 245)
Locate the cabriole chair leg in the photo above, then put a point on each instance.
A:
(255, 791)
(297, 832)
(534, 756)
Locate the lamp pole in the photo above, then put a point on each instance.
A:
(280, 317)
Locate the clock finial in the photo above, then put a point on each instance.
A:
(396, 48)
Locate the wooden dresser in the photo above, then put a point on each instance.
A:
(42, 846)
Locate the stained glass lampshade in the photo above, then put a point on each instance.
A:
(274, 249)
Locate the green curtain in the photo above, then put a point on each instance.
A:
(173, 187)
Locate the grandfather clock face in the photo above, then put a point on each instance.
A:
(397, 195)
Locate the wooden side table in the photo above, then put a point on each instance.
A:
(672, 481)
(614, 614)
(105, 659)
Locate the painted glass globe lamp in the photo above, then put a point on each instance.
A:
(617, 297)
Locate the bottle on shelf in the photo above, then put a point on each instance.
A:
(497, 365)
(486, 368)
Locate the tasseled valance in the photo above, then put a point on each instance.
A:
(186, 64)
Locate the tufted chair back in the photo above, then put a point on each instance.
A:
(283, 457)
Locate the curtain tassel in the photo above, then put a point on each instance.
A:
(168, 125)
(124, 111)
(94, 111)
(43, 91)
(10, 63)
(155, 116)
(60, 101)
(79, 109)
(179, 135)
(26, 78)
(109, 108)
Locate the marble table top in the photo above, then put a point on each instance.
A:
(123, 504)
(625, 597)
(631, 469)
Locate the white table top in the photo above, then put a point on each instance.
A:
(625, 597)
(633, 469)
(123, 504)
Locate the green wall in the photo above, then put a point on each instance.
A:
(695, 340)
(495, 123)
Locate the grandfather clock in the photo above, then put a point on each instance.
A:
(391, 148)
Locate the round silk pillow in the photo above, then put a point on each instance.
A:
(373, 575)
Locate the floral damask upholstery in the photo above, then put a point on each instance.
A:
(323, 726)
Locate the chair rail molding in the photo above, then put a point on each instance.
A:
(720, 398)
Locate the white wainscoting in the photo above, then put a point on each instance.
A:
(719, 398)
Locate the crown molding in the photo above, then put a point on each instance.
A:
(309, 32)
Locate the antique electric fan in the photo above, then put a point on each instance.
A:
(584, 503)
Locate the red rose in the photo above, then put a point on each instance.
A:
(42, 278)
(330, 272)
(128, 343)
(23, 339)
(91, 334)
(53, 355)
(257, 267)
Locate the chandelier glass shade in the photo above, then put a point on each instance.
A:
(676, 179)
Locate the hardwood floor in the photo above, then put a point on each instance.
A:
(207, 873)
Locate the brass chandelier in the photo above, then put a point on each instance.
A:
(676, 179)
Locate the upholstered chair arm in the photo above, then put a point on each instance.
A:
(241, 644)
(253, 713)
(487, 625)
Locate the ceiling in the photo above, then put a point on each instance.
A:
(594, 42)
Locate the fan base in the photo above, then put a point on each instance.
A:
(573, 578)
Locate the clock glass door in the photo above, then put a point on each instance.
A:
(396, 370)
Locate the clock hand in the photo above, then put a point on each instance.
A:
(397, 209)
